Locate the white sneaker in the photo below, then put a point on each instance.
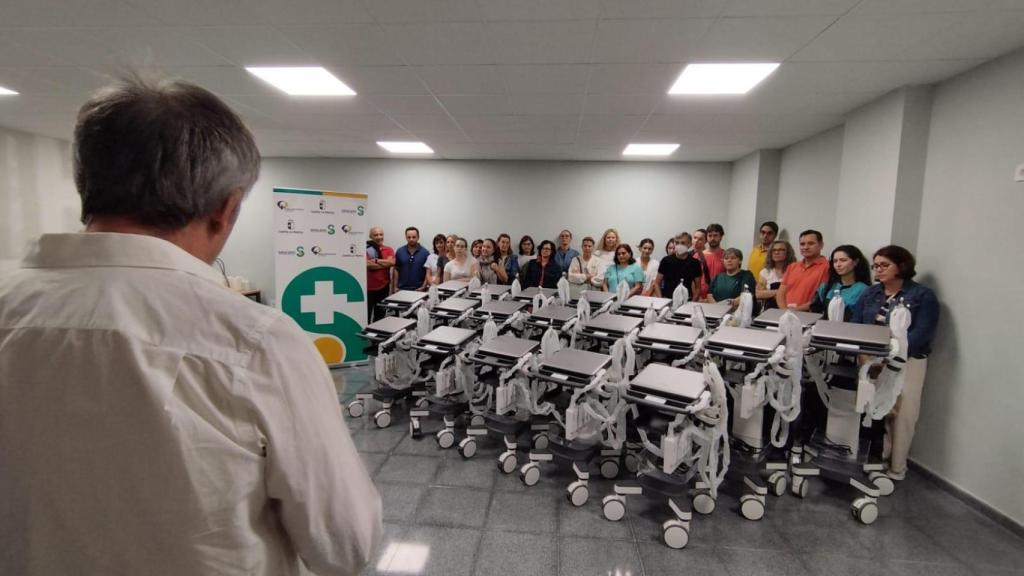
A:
(895, 475)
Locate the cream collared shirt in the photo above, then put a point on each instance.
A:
(153, 421)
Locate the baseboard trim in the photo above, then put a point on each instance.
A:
(971, 500)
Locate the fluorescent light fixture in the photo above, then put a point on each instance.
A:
(649, 149)
(406, 147)
(309, 81)
(721, 78)
(7, 92)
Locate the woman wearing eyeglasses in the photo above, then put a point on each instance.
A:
(894, 268)
(543, 271)
(625, 269)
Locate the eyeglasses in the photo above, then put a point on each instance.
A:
(881, 265)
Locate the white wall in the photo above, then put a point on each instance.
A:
(742, 203)
(970, 430)
(479, 199)
(809, 185)
(37, 192)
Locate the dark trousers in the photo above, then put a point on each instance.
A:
(373, 297)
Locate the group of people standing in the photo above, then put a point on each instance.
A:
(709, 272)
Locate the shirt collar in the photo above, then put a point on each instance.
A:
(107, 249)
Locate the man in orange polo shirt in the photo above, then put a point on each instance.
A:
(803, 278)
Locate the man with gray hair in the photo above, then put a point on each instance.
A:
(153, 421)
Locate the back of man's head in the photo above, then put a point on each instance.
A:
(160, 153)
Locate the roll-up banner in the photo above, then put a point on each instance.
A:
(320, 267)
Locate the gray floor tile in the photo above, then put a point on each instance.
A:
(458, 507)
(904, 568)
(896, 539)
(373, 461)
(760, 562)
(515, 554)
(587, 557)
(589, 522)
(424, 446)
(839, 565)
(373, 439)
(400, 501)
(977, 542)
(474, 473)
(532, 513)
(434, 551)
(661, 560)
(393, 536)
(808, 538)
(729, 529)
(409, 469)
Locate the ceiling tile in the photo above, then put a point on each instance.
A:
(200, 12)
(379, 79)
(546, 78)
(282, 105)
(424, 104)
(620, 104)
(444, 43)
(348, 45)
(59, 13)
(885, 38)
(661, 8)
(251, 45)
(425, 123)
(540, 9)
(312, 12)
(760, 39)
(789, 7)
(549, 42)
(468, 79)
(546, 103)
(632, 78)
(876, 7)
(664, 40)
(403, 11)
(476, 104)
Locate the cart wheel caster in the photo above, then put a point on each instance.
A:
(609, 469)
(540, 441)
(703, 503)
(800, 487)
(530, 473)
(578, 493)
(777, 483)
(751, 508)
(865, 511)
(507, 462)
(885, 485)
(446, 439)
(356, 408)
(382, 419)
(614, 507)
(675, 533)
(467, 448)
(477, 421)
(414, 429)
(632, 463)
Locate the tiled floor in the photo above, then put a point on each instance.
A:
(449, 516)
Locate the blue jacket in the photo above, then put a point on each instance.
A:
(924, 313)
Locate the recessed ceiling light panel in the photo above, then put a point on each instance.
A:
(721, 78)
(305, 81)
(649, 149)
(406, 147)
(7, 92)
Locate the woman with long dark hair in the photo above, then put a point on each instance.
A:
(543, 271)
(848, 276)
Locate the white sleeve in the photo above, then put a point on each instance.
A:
(326, 501)
(431, 263)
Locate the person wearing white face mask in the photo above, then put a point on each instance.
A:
(681, 266)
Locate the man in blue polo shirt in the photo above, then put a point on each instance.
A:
(410, 263)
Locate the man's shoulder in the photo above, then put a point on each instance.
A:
(387, 250)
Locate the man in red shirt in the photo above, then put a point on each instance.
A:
(803, 278)
(714, 252)
(380, 259)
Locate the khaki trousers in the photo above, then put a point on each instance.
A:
(900, 424)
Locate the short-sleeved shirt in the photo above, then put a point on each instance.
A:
(378, 279)
(713, 260)
(411, 267)
(755, 262)
(674, 270)
(615, 274)
(725, 287)
(803, 278)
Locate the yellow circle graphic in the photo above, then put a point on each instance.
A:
(331, 349)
